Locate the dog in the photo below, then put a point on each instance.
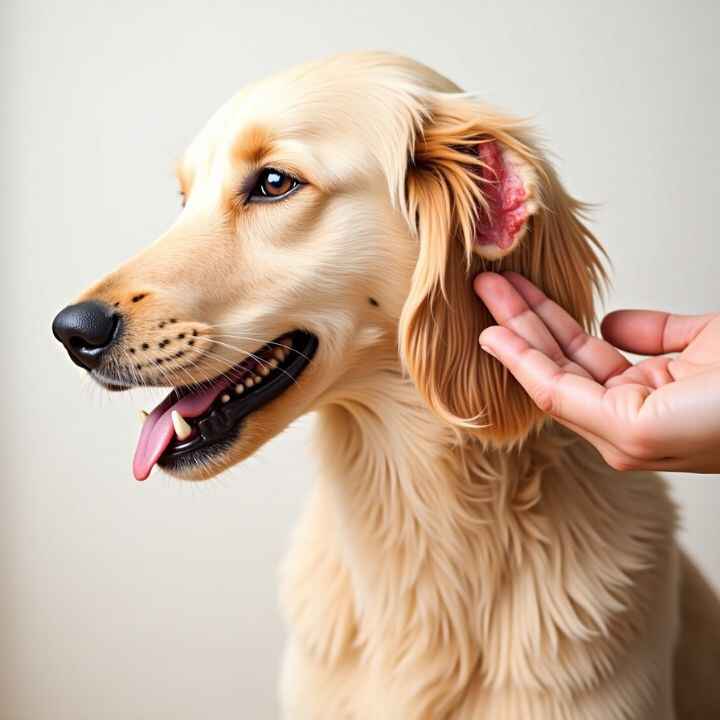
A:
(461, 555)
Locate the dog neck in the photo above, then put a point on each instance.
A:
(437, 550)
(425, 514)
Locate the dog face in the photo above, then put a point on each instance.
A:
(330, 214)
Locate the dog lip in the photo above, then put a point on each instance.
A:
(112, 387)
(219, 425)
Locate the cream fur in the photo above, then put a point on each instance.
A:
(459, 557)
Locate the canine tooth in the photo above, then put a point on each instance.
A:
(264, 370)
(182, 429)
(225, 398)
(143, 416)
(239, 389)
(249, 383)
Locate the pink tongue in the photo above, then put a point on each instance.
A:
(157, 431)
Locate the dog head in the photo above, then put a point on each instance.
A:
(331, 215)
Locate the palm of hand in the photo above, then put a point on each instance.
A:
(672, 400)
(660, 413)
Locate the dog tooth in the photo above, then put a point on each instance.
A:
(239, 389)
(143, 416)
(225, 398)
(182, 429)
(249, 383)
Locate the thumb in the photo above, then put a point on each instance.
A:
(651, 332)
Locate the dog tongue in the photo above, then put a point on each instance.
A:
(158, 431)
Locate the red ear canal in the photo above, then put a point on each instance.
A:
(506, 183)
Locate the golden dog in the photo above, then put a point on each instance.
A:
(461, 556)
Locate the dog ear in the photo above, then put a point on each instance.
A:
(480, 196)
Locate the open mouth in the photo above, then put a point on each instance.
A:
(193, 423)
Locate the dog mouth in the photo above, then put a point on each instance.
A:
(194, 423)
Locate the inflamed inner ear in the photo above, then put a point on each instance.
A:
(509, 198)
(480, 196)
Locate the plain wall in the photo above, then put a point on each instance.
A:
(158, 600)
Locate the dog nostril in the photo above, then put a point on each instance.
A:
(77, 342)
(87, 330)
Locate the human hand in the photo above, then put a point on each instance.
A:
(661, 414)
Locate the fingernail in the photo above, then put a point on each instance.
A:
(487, 350)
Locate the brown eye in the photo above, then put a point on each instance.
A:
(273, 185)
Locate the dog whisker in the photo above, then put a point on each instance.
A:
(256, 358)
(272, 343)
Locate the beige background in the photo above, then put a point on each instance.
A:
(156, 600)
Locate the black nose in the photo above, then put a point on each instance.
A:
(87, 330)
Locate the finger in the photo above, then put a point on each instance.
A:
(564, 395)
(651, 332)
(599, 358)
(510, 310)
(653, 372)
